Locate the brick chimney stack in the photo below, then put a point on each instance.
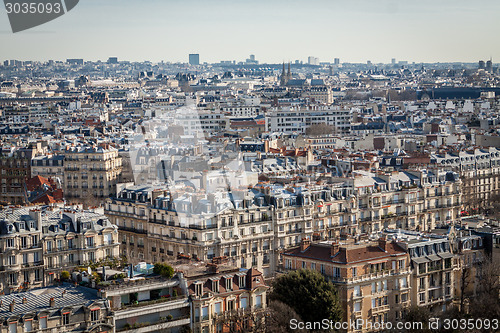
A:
(382, 243)
(52, 303)
(304, 244)
(334, 249)
(12, 305)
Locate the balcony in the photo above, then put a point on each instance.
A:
(294, 231)
(380, 309)
(134, 230)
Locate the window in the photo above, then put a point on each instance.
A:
(242, 282)
(90, 241)
(24, 242)
(218, 308)
(357, 306)
(336, 272)
(12, 260)
(244, 302)
(229, 284)
(215, 286)
(94, 315)
(65, 318)
(28, 325)
(10, 242)
(354, 271)
(49, 246)
(198, 289)
(258, 301)
(357, 291)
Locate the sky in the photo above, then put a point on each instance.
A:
(273, 30)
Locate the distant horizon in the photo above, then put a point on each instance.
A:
(242, 62)
(424, 31)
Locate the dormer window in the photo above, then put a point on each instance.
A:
(242, 282)
(198, 289)
(215, 286)
(10, 228)
(229, 284)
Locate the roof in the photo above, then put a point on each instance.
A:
(347, 254)
(39, 299)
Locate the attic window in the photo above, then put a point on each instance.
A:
(242, 282)
(198, 289)
(229, 284)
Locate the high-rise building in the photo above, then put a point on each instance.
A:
(313, 61)
(336, 61)
(112, 60)
(489, 66)
(481, 64)
(393, 61)
(194, 59)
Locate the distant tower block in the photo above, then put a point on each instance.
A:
(194, 59)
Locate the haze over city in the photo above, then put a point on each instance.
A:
(276, 31)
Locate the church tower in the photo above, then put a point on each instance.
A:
(283, 80)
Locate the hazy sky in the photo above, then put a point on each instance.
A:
(273, 30)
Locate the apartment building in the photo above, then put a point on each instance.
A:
(15, 168)
(297, 119)
(56, 309)
(250, 227)
(373, 278)
(37, 244)
(149, 304)
(91, 172)
(412, 200)
(48, 166)
(433, 263)
(225, 298)
(479, 170)
(154, 226)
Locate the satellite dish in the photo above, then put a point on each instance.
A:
(89, 270)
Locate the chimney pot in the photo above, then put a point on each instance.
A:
(52, 303)
(12, 305)
(25, 300)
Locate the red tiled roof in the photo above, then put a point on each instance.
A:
(346, 255)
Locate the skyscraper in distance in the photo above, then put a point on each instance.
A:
(194, 59)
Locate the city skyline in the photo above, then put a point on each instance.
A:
(355, 31)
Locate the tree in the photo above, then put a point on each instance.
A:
(417, 314)
(309, 294)
(487, 302)
(278, 318)
(319, 129)
(65, 275)
(243, 321)
(164, 270)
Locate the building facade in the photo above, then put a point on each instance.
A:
(37, 244)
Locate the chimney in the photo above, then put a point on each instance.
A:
(334, 249)
(213, 268)
(382, 243)
(304, 245)
(52, 303)
(25, 300)
(11, 306)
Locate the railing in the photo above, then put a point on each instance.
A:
(151, 302)
(135, 230)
